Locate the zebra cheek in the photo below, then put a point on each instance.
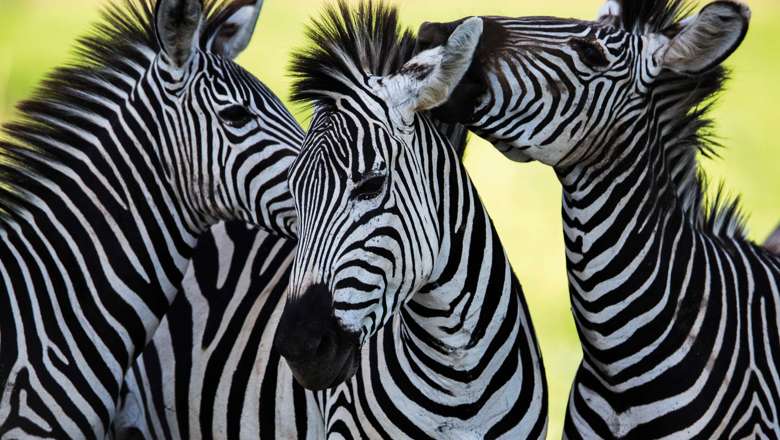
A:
(357, 212)
(352, 320)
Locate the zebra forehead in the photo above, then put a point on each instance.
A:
(124, 41)
(635, 16)
(353, 138)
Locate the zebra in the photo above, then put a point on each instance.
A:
(213, 347)
(677, 311)
(209, 371)
(113, 171)
(773, 242)
(395, 247)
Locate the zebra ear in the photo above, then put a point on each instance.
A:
(231, 30)
(178, 24)
(706, 40)
(773, 242)
(610, 12)
(428, 79)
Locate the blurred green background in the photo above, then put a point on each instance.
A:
(524, 199)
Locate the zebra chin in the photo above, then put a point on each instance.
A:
(318, 350)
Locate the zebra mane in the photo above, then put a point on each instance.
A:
(646, 16)
(690, 127)
(348, 43)
(121, 43)
(457, 134)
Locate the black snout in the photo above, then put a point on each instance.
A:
(302, 330)
(320, 353)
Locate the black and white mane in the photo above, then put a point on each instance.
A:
(346, 43)
(114, 169)
(690, 132)
(124, 42)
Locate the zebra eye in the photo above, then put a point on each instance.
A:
(236, 116)
(590, 52)
(369, 187)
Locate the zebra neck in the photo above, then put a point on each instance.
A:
(622, 226)
(96, 243)
(473, 289)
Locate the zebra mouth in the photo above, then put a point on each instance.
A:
(348, 369)
(327, 371)
(320, 352)
(512, 152)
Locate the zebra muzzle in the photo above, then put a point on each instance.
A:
(320, 353)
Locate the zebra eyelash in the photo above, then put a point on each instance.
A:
(236, 116)
(590, 51)
(369, 187)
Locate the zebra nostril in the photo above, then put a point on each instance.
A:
(311, 344)
(326, 346)
(296, 340)
(291, 346)
(130, 434)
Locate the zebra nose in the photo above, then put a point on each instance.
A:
(306, 328)
(318, 350)
(299, 343)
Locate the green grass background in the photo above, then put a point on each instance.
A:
(524, 199)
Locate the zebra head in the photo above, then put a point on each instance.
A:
(555, 90)
(365, 184)
(230, 140)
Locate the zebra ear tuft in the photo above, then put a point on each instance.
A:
(706, 40)
(609, 12)
(178, 24)
(230, 32)
(431, 76)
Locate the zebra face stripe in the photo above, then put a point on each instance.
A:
(554, 90)
(228, 137)
(369, 235)
(365, 189)
(359, 184)
(231, 144)
(548, 84)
